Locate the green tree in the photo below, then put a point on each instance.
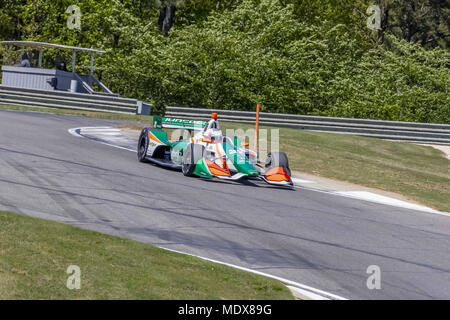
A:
(420, 21)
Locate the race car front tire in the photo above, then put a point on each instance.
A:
(143, 146)
(277, 159)
(191, 155)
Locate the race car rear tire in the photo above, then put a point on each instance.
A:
(277, 159)
(143, 145)
(191, 155)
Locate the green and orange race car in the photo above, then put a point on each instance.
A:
(208, 153)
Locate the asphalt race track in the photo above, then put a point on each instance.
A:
(320, 240)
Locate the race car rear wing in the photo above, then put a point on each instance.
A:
(173, 123)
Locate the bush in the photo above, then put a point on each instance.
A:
(261, 53)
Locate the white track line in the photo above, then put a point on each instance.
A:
(373, 197)
(388, 201)
(307, 294)
(308, 291)
(108, 133)
(101, 129)
(300, 181)
(76, 134)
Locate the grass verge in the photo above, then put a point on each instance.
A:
(35, 254)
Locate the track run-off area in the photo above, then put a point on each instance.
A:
(320, 240)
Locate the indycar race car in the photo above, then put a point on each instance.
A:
(209, 154)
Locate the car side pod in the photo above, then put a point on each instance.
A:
(278, 176)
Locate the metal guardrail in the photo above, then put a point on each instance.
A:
(66, 100)
(391, 130)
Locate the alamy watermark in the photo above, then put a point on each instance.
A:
(74, 21)
(374, 21)
(268, 140)
(374, 280)
(74, 280)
